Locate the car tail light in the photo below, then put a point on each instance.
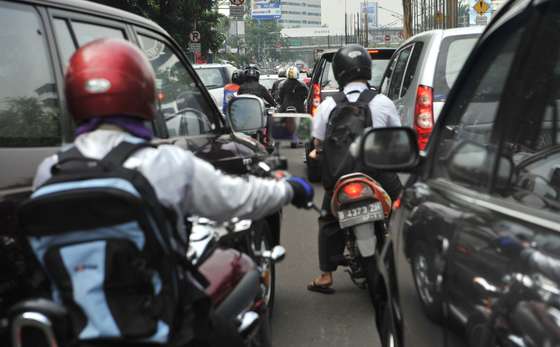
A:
(424, 115)
(353, 190)
(315, 98)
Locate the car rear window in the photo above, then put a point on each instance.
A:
(268, 83)
(211, 77)
(379, 62)
(452, 56)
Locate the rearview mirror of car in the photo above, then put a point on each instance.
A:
(295, 127)
(247, 113)
(391, 149)
(473, 163)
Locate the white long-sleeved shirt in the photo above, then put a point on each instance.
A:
(183, 182)
(383, 111)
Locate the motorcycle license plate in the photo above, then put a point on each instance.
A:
(360, 215)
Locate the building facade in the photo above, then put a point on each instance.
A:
(300, 14)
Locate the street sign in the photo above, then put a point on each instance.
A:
(481, 7)
(195, 36)
(195, 47)
(481, 20)
(237, 2)
(387, 38)
(236, 12)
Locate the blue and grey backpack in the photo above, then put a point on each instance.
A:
(109, 248)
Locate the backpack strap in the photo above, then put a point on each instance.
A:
(119, 154)
(367, 96)
(339, 98)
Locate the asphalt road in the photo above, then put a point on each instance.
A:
(303, 318)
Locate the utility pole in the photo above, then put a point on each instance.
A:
(407, 18)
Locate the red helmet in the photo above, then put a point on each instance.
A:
(110, 77)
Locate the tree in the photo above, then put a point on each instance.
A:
(262, 38)
(407, 18)
(179, 18)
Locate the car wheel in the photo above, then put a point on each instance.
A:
(386, 332)
(425, 281)
(262, 241)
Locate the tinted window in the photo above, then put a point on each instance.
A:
(467, 146)
(86, 32)
(378, 67)
(531, 145)
(64, 40)
(29, 112)
(327, 79)
(176, 90)
(452, 55)
(411, 68)
(211, 77)
(398, 73)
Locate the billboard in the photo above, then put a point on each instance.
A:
(371, 9)
(266, 10)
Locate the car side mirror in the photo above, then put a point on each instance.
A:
(247, 113)
(391, 149)
(473, 163)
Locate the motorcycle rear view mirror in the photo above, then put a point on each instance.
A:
(391, 149)
(247, 113)
(291, 127)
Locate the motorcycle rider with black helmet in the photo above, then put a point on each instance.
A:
(111, 95)
(352, 70)
(252, 86)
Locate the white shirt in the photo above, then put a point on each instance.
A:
(184, 182)
(383, 111)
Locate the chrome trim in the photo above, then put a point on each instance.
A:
(34, 320)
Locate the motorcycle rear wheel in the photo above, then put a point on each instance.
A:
(370, 270)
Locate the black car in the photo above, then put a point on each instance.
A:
(323, 84)
(37, 38)
(472, 256)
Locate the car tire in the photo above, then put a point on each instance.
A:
(423, 272)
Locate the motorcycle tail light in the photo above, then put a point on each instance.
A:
(353, 190)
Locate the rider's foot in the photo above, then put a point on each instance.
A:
(322, 284)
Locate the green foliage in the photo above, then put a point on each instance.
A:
(262, 39)
(179, 18)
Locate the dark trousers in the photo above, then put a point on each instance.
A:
(331, 237)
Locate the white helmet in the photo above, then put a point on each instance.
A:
(292, 73)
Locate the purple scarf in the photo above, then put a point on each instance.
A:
(134, 126)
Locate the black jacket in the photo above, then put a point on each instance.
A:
(292, 93)
(257, 89)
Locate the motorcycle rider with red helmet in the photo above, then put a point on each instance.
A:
(110, 93)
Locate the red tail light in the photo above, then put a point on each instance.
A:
(424, 115)
(353, 190)
(315, 99)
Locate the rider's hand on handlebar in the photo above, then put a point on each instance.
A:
(303, 192)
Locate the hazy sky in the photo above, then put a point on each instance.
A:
(332, 10)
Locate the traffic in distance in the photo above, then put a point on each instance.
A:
(154, 193)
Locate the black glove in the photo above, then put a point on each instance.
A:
(303, 191)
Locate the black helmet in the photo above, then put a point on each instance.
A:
(237, 77)
(351, 63)
(252, 73)
(282, 72)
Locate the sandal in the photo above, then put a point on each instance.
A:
(320, 288)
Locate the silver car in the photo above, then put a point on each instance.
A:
(421, 73)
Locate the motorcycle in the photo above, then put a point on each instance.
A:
(237, 265)
(362, 208)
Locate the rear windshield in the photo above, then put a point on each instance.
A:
(267, 82)
(379, 62)
(452, 55)
(211, 77)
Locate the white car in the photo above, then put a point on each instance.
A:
(421, 73)
(215, 77)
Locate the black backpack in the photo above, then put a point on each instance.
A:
(111, 250)
(346, 122)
